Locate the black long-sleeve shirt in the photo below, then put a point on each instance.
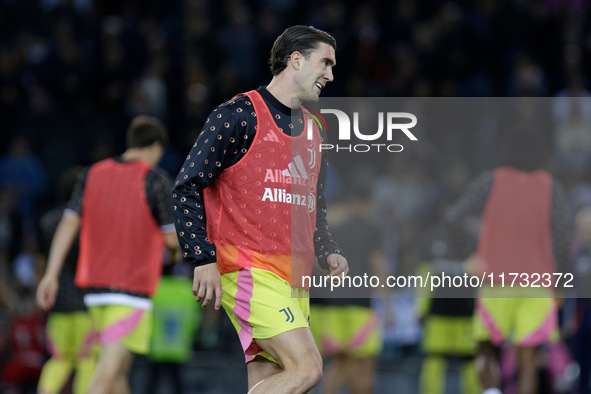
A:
(225, 138)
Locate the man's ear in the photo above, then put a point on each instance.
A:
(296, 59)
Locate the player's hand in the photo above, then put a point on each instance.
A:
(472, 265)
(207, 283)
(47, 292)
(337, 264)
(175, 255)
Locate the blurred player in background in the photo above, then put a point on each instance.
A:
(348, 330)
(70, 333)
(121, 206)
(250, 193)
(524, 229)
(448, 336)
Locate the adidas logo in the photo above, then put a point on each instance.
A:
(271, 137)
(295, 173)
(296, 168)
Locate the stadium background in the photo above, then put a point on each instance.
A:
(74, 72)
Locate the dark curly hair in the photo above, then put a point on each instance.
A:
(303, 39)
(144, 131)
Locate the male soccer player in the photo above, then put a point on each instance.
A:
(122, 209)
(70, 333)
(250, 197)
(524, 230)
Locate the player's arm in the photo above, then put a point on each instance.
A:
(328, 252)
(561, 227)
(172, 245)
(158, 187)
(461, 216)
(221, 143)
(64, 237)
(62, 242)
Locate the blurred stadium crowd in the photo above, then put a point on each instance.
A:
(74, 72)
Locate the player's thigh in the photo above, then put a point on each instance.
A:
(262, 305)
(84, 335)
(261, 368)
(114, 360)
(495, 319)
(61, 335)
(293, 349)
(537, 321)
(361, 373)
